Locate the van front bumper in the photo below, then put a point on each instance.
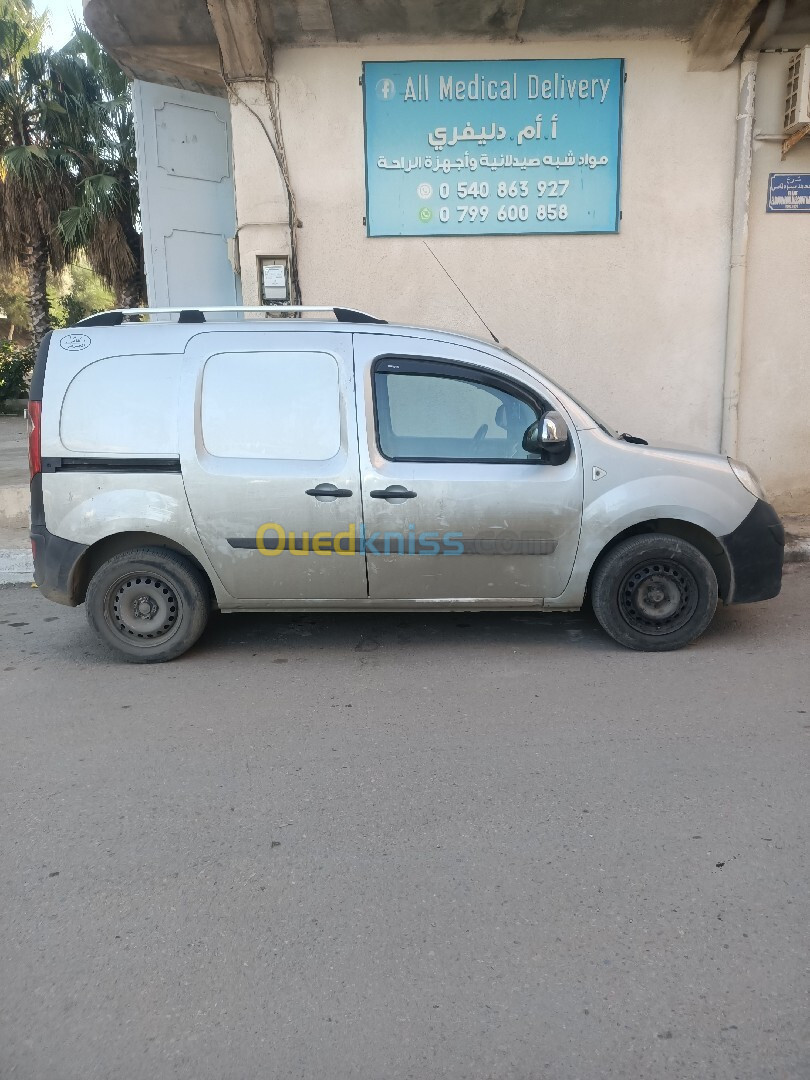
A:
(756, 552)
(56, 565)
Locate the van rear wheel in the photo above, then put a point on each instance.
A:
(654, 592)
(150, 604)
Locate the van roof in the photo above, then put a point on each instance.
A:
(117, 316)
(277, 318)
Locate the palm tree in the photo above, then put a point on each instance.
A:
(100, 129)
(35, 185)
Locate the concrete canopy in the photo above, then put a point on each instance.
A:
(191, 42)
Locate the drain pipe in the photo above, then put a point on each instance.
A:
(746, 106)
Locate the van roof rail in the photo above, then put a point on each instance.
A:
(118, 316)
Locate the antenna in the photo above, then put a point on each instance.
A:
(438, 260)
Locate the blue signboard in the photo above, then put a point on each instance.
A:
(471, 148)
(788, 193)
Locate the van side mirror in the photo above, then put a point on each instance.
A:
(549, 433)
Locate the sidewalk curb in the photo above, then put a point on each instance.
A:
(14, 505)
(797, 548)
(16, 566)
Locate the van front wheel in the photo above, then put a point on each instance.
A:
(149, 604)
(654, 592)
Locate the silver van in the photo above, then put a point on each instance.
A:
(180, 464)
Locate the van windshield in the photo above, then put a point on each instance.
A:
(608, 430)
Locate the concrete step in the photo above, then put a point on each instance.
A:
(16, 566)
(14, 503)
(797, 549)
(13, 452)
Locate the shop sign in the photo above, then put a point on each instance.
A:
(474, 148)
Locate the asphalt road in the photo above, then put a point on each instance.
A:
(379, 847)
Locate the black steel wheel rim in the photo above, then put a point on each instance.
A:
(144, 609)
(658, 597)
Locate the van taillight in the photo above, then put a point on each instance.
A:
(34, 438)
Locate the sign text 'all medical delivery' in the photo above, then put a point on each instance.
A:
(480, 88)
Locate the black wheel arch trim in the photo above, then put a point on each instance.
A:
(705, 541)
(747, 561)
(63, 568)
(57, 566)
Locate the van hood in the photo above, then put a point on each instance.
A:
(684, 448)
(681, 451)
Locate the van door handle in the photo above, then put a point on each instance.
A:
(324, 492)
(392, 492)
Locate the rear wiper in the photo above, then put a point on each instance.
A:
(633, 439)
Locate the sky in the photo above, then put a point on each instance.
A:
(61, 14)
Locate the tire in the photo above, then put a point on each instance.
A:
(162, 618)
(654, 592)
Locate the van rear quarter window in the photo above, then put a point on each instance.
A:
(271, 405)
(123, 405)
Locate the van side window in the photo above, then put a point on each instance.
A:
(271, 405)
(110, 406)
(442, 413)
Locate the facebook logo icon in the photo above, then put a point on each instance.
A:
(386, 89)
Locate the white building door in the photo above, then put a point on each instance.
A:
(187, 195)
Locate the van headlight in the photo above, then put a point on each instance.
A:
(747, 478)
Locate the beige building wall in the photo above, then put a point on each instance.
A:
(633, 323)
(775, 380)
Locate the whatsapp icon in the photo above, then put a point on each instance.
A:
(425, 214)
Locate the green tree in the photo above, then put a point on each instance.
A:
(35, 185)
(16, 362)
(13, 302)
(100, 129)
(76, 293)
